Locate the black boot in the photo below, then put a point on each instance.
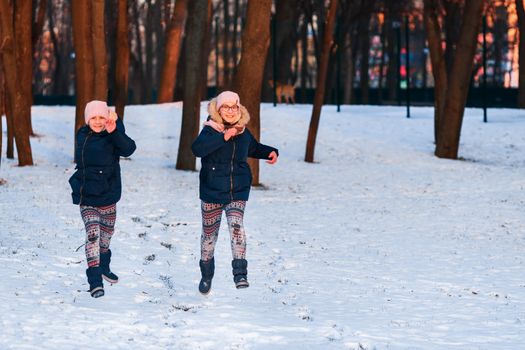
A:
(94, 275)
(240, 273)
(207, 271)
(105, 259)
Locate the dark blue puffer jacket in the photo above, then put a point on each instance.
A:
(225, 175)
(96, 182)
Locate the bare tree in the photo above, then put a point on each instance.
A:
(452, 24)
(59, 74)
(393, 22)
(20, 107)
(137, 62)
(24, 54)
(172, 52)
(437, 57)
(458, 82)
(321, 80)
(364, 39)
(286, 15)
(99, 51)
(122, 59)
(250, 71)
(226, 43)
(84, 60)
(2, 102)
(90, 53)
(521, 25)
(196, 28)
(10, 147)
(38, 23)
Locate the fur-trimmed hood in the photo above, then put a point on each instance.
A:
(216, 117)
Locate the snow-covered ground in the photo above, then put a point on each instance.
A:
(377, 245)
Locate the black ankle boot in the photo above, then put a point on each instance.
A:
(240, 273)
(207, 271)
(105, 259)
(96, 287)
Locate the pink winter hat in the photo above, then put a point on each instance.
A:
(95, 108)
(228, 97)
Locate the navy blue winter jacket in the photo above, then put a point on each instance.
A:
(96, 181)
(225, 175)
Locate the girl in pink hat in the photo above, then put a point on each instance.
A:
(224, 145)
(96, 186)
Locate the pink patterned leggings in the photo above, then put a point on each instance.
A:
(100, 225)
(211, 222)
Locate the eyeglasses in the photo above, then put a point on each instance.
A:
(233, 108)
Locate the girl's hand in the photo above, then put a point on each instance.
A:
(111, 125)
(229, 133)
(273, 158)
(112, 115)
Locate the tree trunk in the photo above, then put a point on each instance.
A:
(439, 69)
(58, 59)
(84, 64)
(521, 24)
(137, 59)
(38, 24)
(1, 136)
(459, 82)
(160, 46)
(149, 52)
(10, 148)
(349, 72)
(364, 49)
(206, 52)
(304, 59)
(249, 75)
(364, 39)
(172, 53)
(500, 43)
(235, 41)
(24, 55)
(195, 36)
(111, 30)
(393, 20)
(321, 79)
(452, 23)
(62, 47)
(286, 15)
(2, 103)
(18, 104)
(225, 52)
(122, 59)
(99, 51)
(382, 65)
(2, 90)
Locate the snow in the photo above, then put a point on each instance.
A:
(377, 245)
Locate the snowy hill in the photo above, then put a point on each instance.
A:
(378, 245)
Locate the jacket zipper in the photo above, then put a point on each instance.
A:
(83, 168)
(231, 172)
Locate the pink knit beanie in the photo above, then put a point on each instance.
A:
(95, 108)
(228, 97)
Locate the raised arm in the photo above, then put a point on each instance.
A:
(259, 151)
(124, 145)
(208, 141)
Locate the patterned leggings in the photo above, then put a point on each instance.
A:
(211, 222)
(100, 225)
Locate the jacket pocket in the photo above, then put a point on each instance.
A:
(75, 182)
(96, 181)
(243, 178)
(218, 177)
